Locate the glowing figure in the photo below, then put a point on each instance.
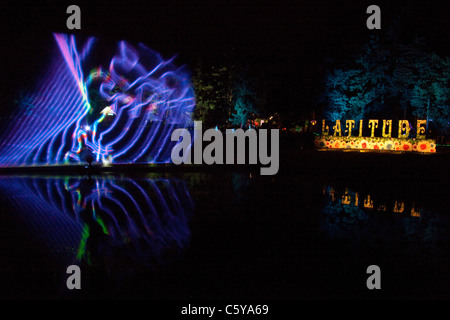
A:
(147, 97)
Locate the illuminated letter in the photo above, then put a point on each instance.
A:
(350, 124)
(373, 124)
(360, 128)
(74, 281)
(337, 128)
(74, 21)
(374, 281)
(403, 125)
(420, 129)
(374, 21)
(383, 133)
(324, 133)
(216, 146)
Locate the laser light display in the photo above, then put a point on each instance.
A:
(124, 113)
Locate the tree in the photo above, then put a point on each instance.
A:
(390, 76)
(360, 89)
(224, 93)
(244, 99)
(431, 94)
(345, 95)
(405, 73)
(213, 91)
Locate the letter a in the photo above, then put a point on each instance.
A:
(183, 147)
(74, 281)
(374, 281)
(74, 21)
(374, 21)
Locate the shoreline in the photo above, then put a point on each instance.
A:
(291, 158)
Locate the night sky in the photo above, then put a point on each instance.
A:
(287, 44)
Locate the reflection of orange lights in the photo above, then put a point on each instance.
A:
(346, 197)
(415, 213)
(367, 202)
(332, 194)
(399, 207)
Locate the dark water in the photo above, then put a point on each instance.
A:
(308, 232)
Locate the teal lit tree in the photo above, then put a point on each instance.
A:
(400, 79)
(430, 96)
(360, 89)
(244, 98)
(347, 95)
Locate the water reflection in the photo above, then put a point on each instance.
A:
(354, 215)
(100, 219)
(352, 198)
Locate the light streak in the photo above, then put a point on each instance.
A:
(145, 98)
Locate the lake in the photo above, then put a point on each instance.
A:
(226, 232)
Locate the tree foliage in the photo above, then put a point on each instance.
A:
(360, 89)
(398, 79)
(224, 95)
(244, 99)
(213, 91)
(430, 96)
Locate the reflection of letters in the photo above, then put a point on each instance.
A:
(332, 194)
(368, 203)
(414, 212)
(399, 207)
(346, 199)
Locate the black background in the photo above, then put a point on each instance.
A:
(288, 45)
